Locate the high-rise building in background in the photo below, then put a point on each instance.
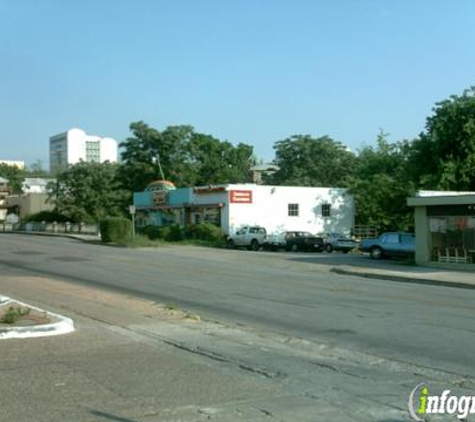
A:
(75, 145)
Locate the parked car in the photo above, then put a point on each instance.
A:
(391, 244)
(338, 242)
(295, 241)
(252, 237)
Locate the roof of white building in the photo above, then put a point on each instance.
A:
(437, 193)
(431, 198)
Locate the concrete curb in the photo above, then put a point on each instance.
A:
(403, 278)
(61, 324)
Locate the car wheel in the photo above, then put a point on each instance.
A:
(231, 244)
(254, 245)
(329, 248)
(376, 252)
(346, 250)
(294, 248)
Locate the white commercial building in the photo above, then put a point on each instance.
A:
(277, 208)
(75, 145)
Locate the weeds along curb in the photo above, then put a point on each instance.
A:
(61, 324)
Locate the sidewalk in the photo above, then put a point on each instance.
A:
(412, 274)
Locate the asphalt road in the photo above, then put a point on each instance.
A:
(290, 294)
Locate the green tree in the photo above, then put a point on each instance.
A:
(186, 157)
(443, 157)
(14, 175)
(381, 185)
(212, 161)
(147, 148)
(89, 192)
(306, 161)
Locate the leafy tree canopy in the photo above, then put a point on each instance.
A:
(306, 161)
(212, 161)
(187, 158)
(14, 175)
(381, 202)
(443, 157)
(381, 185)
(146, 148)
(89, 192)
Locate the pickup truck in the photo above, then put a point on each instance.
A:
(295, 241)
(252, 237)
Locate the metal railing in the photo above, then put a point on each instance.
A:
(365, 232)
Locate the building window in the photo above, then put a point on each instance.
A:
(93, 152)
(326, 210)
(293, 210)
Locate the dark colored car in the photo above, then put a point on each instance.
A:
(391, 244)
(303, 241)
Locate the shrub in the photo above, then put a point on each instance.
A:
(115, 230)
(48, 217)
(142, 241)
(172, 233)
(14, 314)
(153, 232)
(205, 231)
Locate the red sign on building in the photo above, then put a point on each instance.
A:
(240, 196)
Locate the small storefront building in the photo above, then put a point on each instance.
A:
(230, 206)
(26, 204)
(445, 227)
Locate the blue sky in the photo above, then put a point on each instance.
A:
(253, 71)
